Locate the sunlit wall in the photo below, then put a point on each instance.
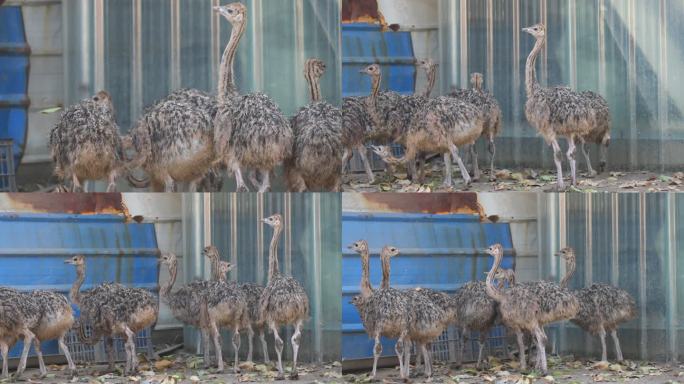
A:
(140, 50)
(629, 51)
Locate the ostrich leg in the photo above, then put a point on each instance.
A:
(481, 343)
(236, 348)
(296, 339)
(476, 167)
(216, 336)
(346, 155)
(559, 165)
(618, 351)
(4, 347)
(539, 335)
(279, 351)
(130, 351)
(521, 349)
(264, 346)
(266, 180)
(603, 149)
(572, 149)
(253, 178)
(39, 354)
(428, 361)
(76, 184)
(28, 339)
(492, 151)
(65, 351)
(402, 347)
(239, 181)
(361, 149)
(377, 350)
(448, 181)
(585, 152)
(112, 181)
(464, 171)
(602, 335)
(250, 343)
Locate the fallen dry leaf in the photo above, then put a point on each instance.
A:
(162, 364)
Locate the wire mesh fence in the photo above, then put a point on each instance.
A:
(7, 179)
(97, 353)
(445, 348)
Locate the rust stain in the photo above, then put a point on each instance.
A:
(435, 203)
(77, 203)
(362, 11)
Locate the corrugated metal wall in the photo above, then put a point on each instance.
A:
(34, 245)
(309, 251)
(627, 50)
(632, 241)
(141, 50)
(436, 251)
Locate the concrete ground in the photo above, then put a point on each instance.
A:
(532, 180)
(183, 368)
(566, 370)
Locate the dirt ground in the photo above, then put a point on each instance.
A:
(517, 180)
(181, 369)
(565, 370)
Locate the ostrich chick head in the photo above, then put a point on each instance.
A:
(235, 13)
(537, 30)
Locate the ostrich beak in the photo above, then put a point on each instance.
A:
(67, 261)
(528, 30)
(216, 9)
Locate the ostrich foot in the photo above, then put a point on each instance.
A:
(591, 174)
(294, 376)
(280, 376)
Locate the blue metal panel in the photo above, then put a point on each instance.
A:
(364, 44)
(436, 251)
(14, 67)
(33, 248)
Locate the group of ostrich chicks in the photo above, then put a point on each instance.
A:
(418, 316)
(441, 125)
(113, 309)
(193, 137)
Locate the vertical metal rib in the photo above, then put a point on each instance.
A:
(260, 237)
(136, 60)
(631, 84)
(99, 45)
(258, 45)
(572, 36)
(602, 47)
(588, 246)
(234, 233)
(300, 89)
(174, 62)
(663, 114)
(316, 280)
(643, 283)
(516, 104)
(489, 76)
(215, 25)
(671, 292)
(463, 13)
(615, 232)
(544, 78)
(207, 232)
(287, 258)
(453, 38)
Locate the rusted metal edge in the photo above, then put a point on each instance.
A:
(73, 203)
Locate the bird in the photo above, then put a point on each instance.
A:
(283, 301)
(86, 144)
(250, 130)
(113, 309)
(440, 126)
(226, 308)
(492, 119)
(558, 111)
(18, 315)
(602, 307)
(384, 311)
(520, 308)
(316, 162)
(252, 293)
